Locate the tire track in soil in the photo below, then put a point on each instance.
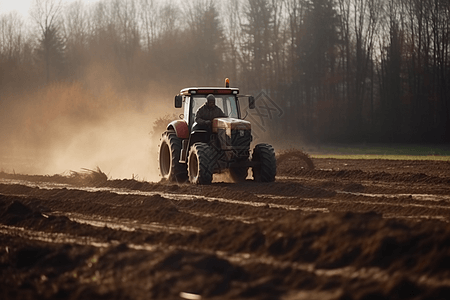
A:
(124, 224)
(408, 210)
(403, 205)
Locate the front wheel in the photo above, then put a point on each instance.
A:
(201, 162)
(266, 163)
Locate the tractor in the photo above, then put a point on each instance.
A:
(189, 153)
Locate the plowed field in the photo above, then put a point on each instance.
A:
(349, 229)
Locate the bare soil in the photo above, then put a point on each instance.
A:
(348, 229)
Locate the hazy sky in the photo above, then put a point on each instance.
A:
(23, 6)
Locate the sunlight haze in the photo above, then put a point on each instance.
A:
(23, 6)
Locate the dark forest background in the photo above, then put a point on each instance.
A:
(340, 70)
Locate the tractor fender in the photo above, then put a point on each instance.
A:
(181, 128)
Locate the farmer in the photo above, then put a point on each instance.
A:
(207, 112)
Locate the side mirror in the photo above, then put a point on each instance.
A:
(251, 102)
(178, 101)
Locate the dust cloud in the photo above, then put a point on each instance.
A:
(65, 127)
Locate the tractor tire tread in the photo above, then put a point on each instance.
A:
(264, 154)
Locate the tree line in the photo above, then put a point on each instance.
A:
(341, 70)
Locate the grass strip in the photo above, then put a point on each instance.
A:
(377, 156)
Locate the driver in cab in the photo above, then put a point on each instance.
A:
(207, 112)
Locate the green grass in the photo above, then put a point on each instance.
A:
(372, 156)
(394, 152)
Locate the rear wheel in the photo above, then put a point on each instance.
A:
(201, 162)
(266, 163)
(169, 157)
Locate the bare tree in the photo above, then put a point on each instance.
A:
(365, 24)
(169, 19)
(75, 23)
(149, 21)
(205, 40)
(258, 30)
(75, 27)
(232, 19)
(46, 14)
(16, 59)
(11, 36)
(126, 17)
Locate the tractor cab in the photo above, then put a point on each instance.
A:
(227, 100)
(194, 98)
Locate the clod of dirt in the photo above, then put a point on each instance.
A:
(85, 177)
(16, 212)
(403, 288)
(292, 161)
(194, 273)
(29, 256)
(353, 187)
(17, 208)
(89, 177)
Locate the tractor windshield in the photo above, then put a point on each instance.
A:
(227, 103)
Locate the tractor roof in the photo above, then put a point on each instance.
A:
(208, 90)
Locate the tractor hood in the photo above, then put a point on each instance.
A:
(230, 124)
